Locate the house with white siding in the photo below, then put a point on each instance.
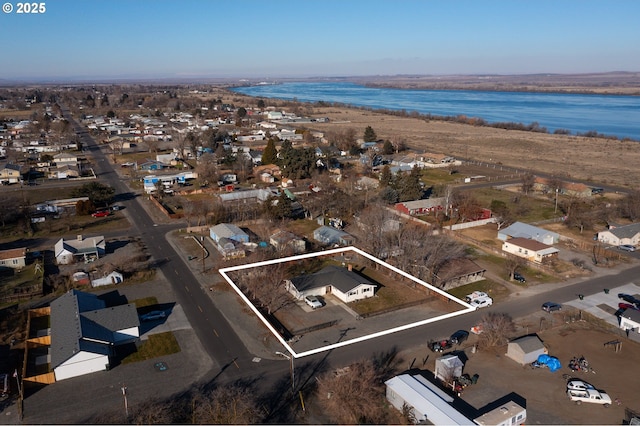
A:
(619, 235)
(531, 250)
(84, 332)
(344, 283)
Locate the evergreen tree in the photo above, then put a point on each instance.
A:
(409, 187)
(370, 135)
(270, 154)
(387, 147)
(385, 176)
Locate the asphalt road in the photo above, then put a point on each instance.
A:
(216, 335)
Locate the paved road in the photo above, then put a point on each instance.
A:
(217, 337)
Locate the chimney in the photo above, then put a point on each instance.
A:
(350, 267)
(79, 237)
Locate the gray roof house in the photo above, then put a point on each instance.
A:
(329, 235)
(524, 230)
(84, 331)
(228, 230)
(343, 283)
(525, 350)
(81, 249)
(619, 235)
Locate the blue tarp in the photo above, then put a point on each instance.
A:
(551, 361)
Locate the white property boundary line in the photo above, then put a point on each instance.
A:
(224, 271)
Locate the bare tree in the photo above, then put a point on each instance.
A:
(496, 329)
(527, 181)
(354, 395)
(208, 168)
(226, 405)
(512, 263)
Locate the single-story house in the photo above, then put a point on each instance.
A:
(421, 207)
(572, 189)
(81, 249)
(13, 258)
(330, 236)
(343, 283)
(166, 158)
(114, 277)
(84, 332)
(630, 320)
(524, 230)
(426, 401)
(458, 272)
(65, 158)
(619, 235)
(285, 241)
(151, 165)
(525, 350)
(447, 367)
(229, 231)
(11, 173)
(531, 250)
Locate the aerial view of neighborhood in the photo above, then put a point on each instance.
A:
(295, 218)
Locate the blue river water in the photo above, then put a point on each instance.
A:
(579, 113)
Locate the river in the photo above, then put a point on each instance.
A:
(578, 113)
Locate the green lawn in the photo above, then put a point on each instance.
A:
(156, 345)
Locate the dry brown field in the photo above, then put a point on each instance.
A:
(598, 160)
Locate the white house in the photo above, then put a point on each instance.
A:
(619, 235)
(13, 258)
(531, 250)
(84, 332)
(329, 235)
(630, 320)
(81, 249)
(343, 283)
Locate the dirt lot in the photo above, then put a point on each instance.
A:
(546, 400)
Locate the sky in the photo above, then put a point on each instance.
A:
(144, 39)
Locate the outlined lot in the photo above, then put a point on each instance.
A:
(358, 329)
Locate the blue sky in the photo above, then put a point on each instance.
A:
(298, 38)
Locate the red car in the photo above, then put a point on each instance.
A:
(100, 214)
(626, 306)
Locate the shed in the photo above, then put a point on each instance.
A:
(525, 350)
(447, 367)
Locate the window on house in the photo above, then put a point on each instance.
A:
(15, 261)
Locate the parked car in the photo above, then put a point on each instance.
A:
(475, 295)
(482, 302)
(628, 298)
(100, 214)
(153, 315)
(116, 208)
(627, 247)
(313, 301)
(518, 277)
(551, 307)
(579, 385)
(625, 306)
(440, 345)
(458, 337)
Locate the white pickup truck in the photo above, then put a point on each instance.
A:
(589, 395)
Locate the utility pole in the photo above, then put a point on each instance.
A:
(555, 210)
(293, 379)
(126, 404)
